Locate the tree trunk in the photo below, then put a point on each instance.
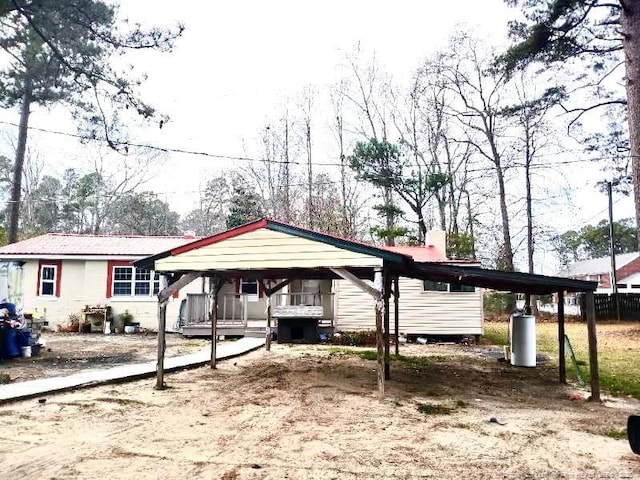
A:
(506, 249)
(310, 173)
(532, 300)
(16, 188)
(630, 23)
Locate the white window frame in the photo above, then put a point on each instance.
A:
(53, 281)
(251, 297)
(133, 281)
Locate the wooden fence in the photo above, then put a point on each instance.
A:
(605, 304)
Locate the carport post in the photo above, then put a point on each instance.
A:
(562, 364)
(396, 311)
(378, 283)
(268, 329)
(162, 323)
(593, 348)
(217, 284)
(387, 349)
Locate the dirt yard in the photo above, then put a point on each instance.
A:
(312, 413)
(67, 353)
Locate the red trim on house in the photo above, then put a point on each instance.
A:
(58, 265)
(110, 265)
(627, 270)
(249, 227)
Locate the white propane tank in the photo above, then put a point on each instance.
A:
(522, 340)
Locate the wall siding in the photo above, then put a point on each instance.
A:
(426, 313)
(265, 249)
(84, 283)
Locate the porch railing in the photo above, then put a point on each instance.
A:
(233, 309)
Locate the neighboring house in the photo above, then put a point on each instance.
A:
(599, 270)
(60, 274)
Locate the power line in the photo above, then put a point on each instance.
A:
(273, 161)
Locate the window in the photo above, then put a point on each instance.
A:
(49, 272)
(431, 286)
(128, 281)
(621, 286)
(457, 287)
(249, 286)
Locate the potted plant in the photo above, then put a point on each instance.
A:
(126, 319)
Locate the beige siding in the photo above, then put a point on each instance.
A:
(427, 313)
(265, 249)
(85, 283)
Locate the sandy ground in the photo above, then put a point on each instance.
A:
(67, 353)
(311, 412)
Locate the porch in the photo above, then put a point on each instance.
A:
(244, 314)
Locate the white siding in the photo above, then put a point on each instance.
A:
(262, 249)
(420, 312)
(85, 283)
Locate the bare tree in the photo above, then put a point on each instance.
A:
(478, 90)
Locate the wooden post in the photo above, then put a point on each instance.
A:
(162, 322)
(562, 364)
(387, 350)
(268, 329)
(214, 321)
(593, 348)
(396, 311)
(378, 285)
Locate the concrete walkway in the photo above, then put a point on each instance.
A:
(97, 376)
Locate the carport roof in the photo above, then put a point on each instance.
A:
(397, 263)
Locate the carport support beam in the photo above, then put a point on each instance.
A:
(593, 348)
(217, 285)
(387, 334)
(162, 323)
(562, 364)
(268, 329)
(396, 311)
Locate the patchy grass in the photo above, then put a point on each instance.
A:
(416, 362)
(617, 433)
(434, 409)
(618, 344)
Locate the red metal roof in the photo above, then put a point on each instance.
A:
(93, 245)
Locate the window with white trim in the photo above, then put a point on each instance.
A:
(134, 282)
(249, 287)
(431, 286)
(48, 278)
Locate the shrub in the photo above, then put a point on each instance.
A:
(354, 339)
(499, 303)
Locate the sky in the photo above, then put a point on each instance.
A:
(237, 62)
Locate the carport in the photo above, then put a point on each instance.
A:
(276, 253)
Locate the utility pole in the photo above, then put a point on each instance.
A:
(614, 280)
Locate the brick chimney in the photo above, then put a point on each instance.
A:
(437, 239)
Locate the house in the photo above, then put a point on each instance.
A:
(62, 274)
(315, 298)
(426, 307)
(599, 270)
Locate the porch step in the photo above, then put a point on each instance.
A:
(255, 332)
